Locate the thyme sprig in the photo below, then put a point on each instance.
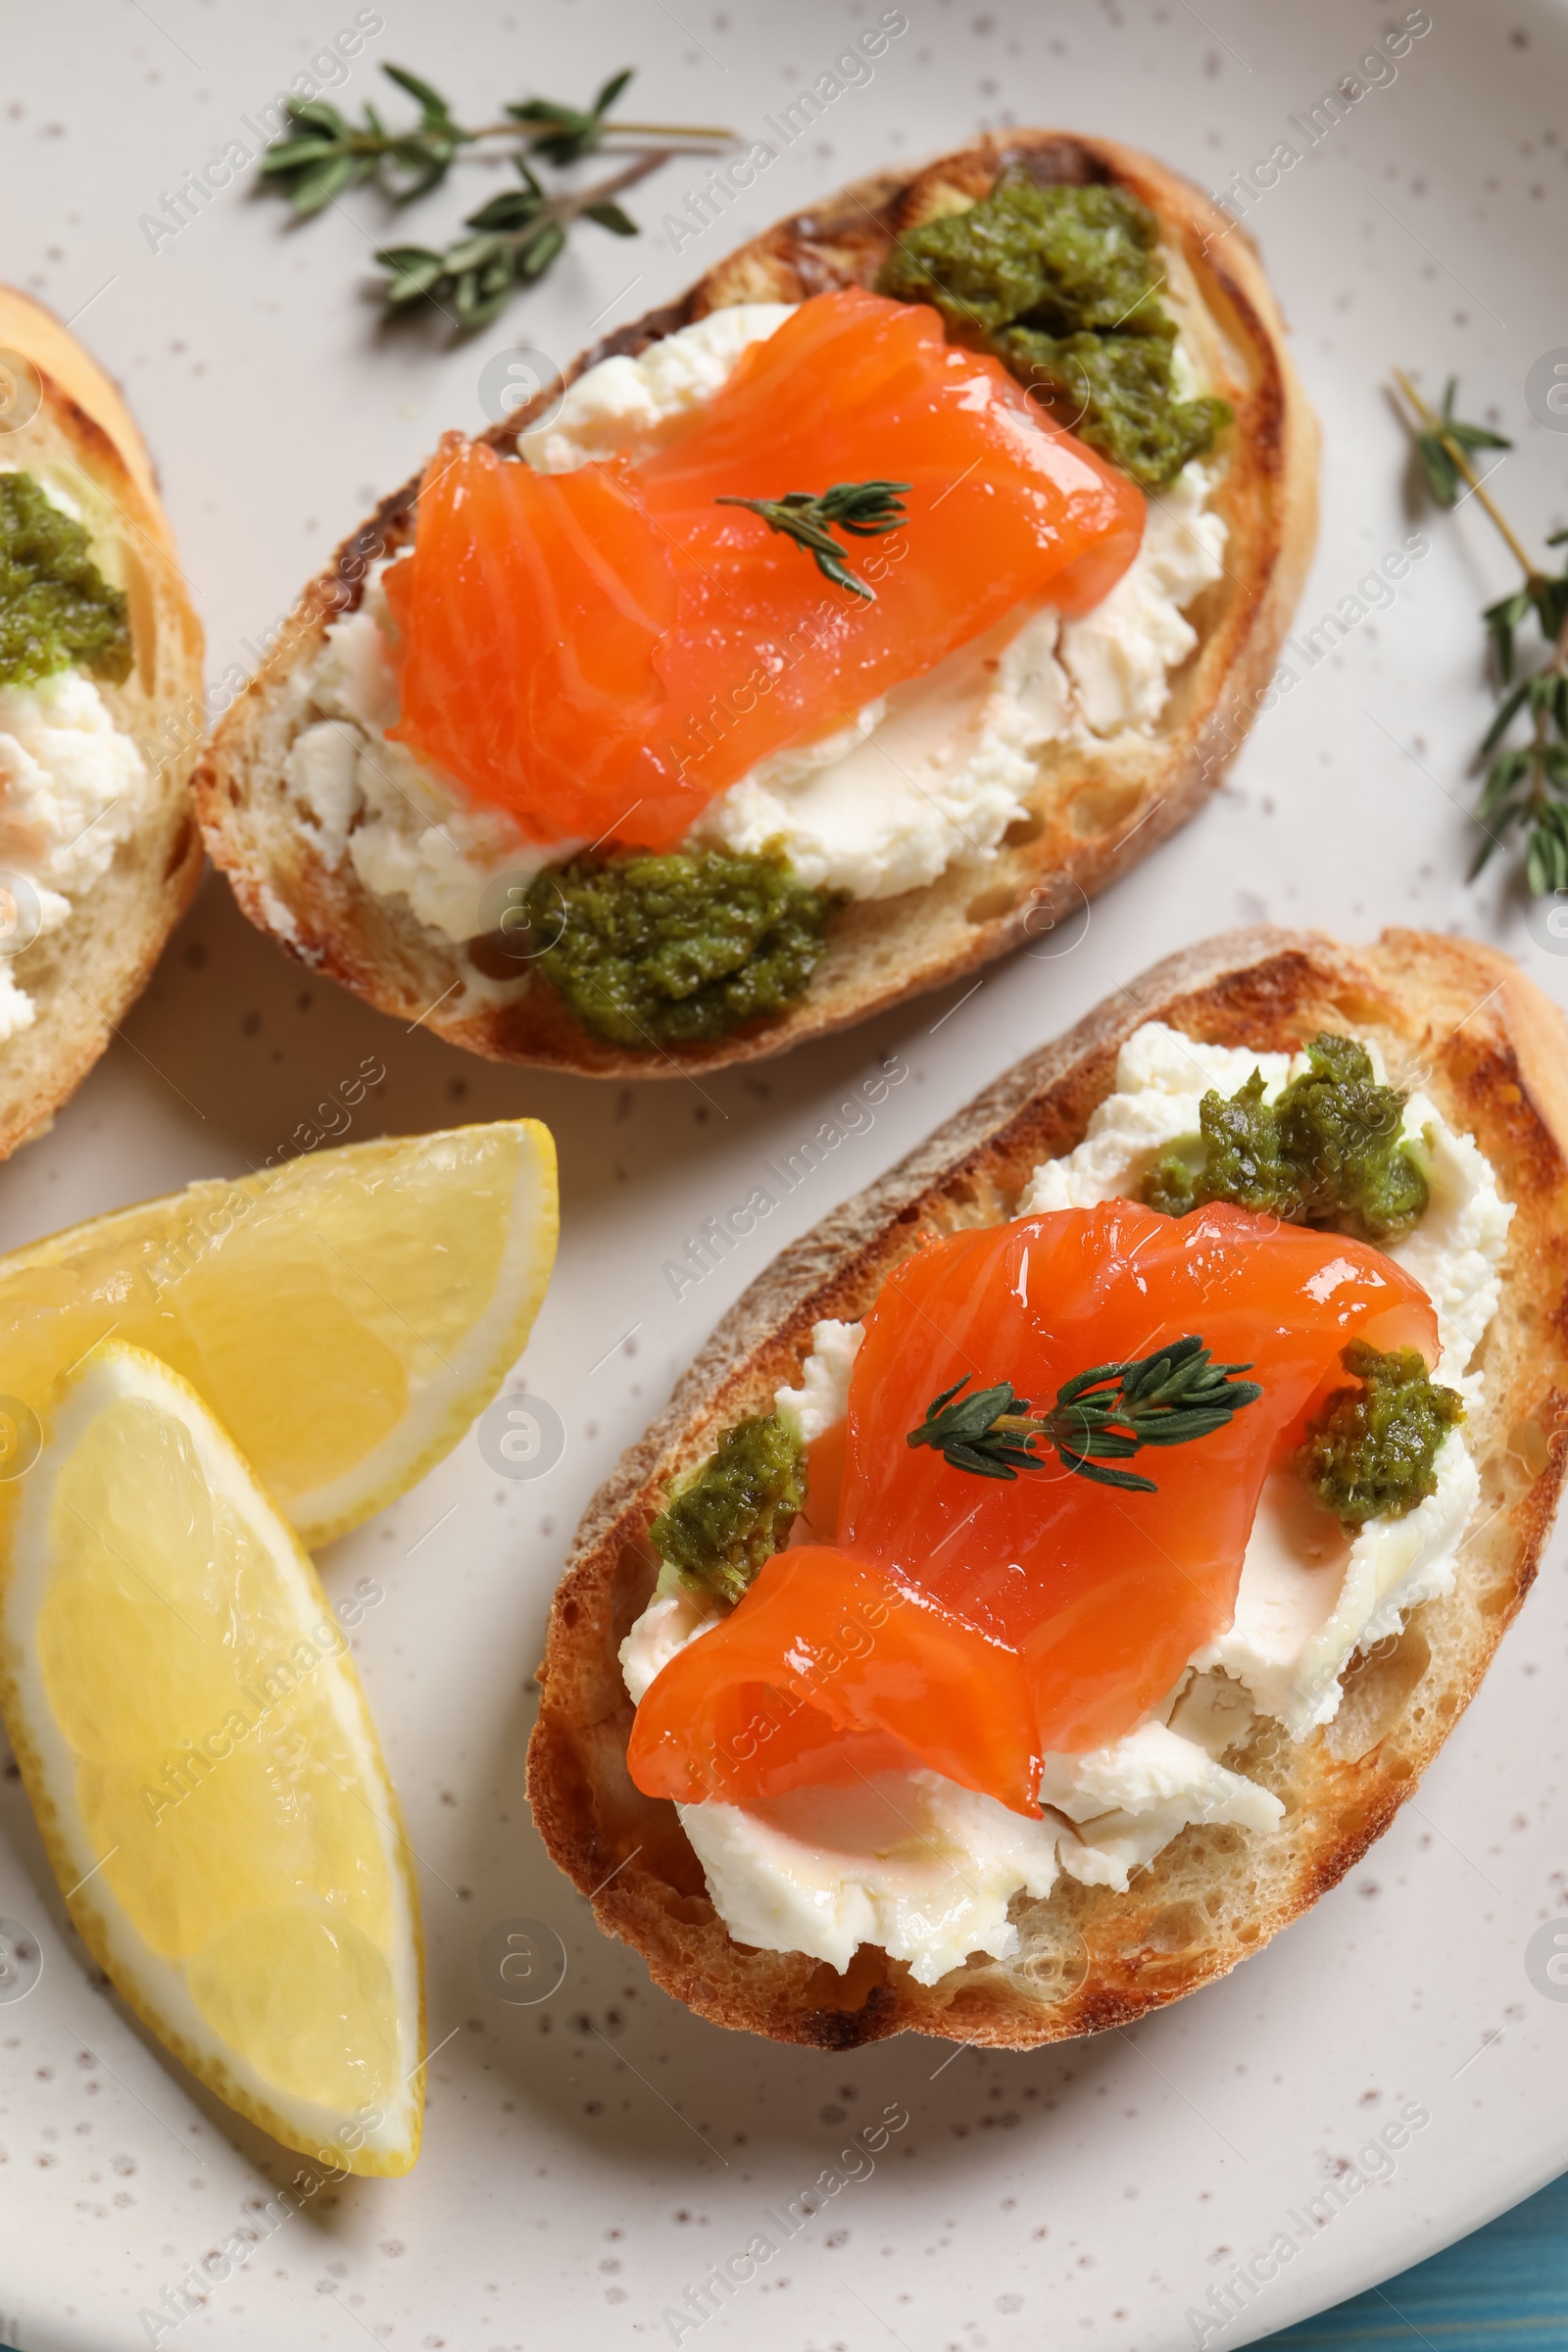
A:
(1098, 1417)
(864, 508)
(323, 153)
(513, 238)
(1526, 784)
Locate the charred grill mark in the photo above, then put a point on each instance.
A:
(1054, 162)
(874, 2020)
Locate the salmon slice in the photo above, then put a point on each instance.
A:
(529, 615)
(828, 1670)
(604, 652)
(1051, 1613)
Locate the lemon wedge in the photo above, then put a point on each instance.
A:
(204, 1769)
(345, 1315)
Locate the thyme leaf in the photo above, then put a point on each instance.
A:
(563, 135)
(863, 509)
(1098, 1417)
(1447, 439)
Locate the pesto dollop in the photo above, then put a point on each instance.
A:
(1330, 1152)
(658, 950)
(727, 1518)
(57, 611)
(1061, 284)
(1372, 1452)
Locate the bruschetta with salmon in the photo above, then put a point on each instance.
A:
(1061, 1565)
(819, 637)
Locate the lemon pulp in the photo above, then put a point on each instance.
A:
(345, 1316)
(203, 1766)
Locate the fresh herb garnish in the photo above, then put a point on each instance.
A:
(520, 232)
(805, 516)
(1527, 783)
(1100, 1417)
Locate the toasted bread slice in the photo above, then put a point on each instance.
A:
(1093, 813)
(1492, 1053)
(65, 418)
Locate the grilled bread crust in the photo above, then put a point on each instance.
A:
(1093, 814)
(1456, 1019)
(61, 413)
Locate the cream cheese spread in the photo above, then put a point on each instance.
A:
(823, 1395)
(72, 786)
(936, 770)
(405, 833)
(928, 1870)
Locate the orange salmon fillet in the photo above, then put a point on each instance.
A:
(604, 652)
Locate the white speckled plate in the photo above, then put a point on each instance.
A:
(588, 2157)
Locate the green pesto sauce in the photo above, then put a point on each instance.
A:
(727, 1518)
(57, 611)
(1115, 392)
(1371, 1454)
(1061, 283)
(1328, 1153)
(658, 950)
